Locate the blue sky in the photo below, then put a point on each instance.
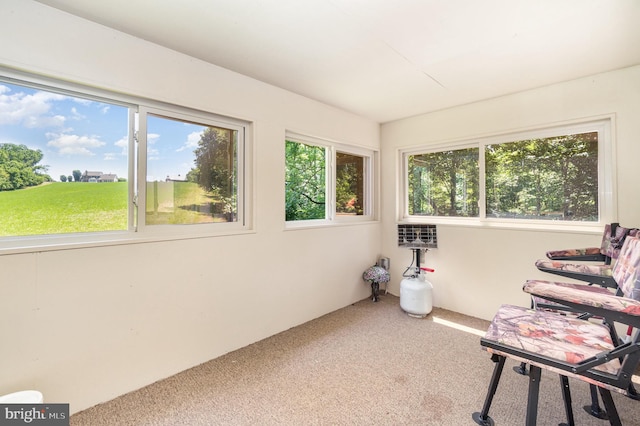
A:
(82, 134)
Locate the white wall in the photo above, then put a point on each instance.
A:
(86, 325)
(477, 269)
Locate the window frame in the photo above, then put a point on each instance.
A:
(607, 199)
(136, 231)
(200, 118)
(369, 170)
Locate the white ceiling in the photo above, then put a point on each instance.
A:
(388, 59)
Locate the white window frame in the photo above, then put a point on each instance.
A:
(201, 229)
(607, 198)
(331, 148)
(137, 231)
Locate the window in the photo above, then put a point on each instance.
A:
(63, 163)
(553, 178)
(76, 162)
(192, 172)
(305, 181)
(350, 186)
(326, 182)
(444, 183)
(558, 174)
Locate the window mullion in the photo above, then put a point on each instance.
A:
(330, 184)
(482, 178)
(134, 157)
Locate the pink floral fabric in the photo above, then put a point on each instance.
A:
(581, 268)
(555, 336)
(626, 271)
(554, 254)
(583, 294)
(610, 245)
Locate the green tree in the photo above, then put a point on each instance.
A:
(19, 167)
(216, 166)
(552, 178)
(304, 181)
(444, 183)
(63, 178)
(77, 175)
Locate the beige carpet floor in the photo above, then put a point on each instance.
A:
(366, 364)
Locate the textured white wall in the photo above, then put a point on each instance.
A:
(477, 269)
(86, 325)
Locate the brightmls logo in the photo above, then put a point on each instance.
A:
(34, 414)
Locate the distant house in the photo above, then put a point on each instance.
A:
(108, 178)
(88, 176)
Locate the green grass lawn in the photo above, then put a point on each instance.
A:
(70, 207)
(67, 207)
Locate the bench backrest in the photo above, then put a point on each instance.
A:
(626, 271)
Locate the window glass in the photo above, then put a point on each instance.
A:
(63, 163)
(443, 183)
(350, 184)
(192, 172)
(75, 161)
(305, 181)
(561, 174)
(553, 178)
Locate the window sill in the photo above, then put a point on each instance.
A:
(535, 226)
(314, 224)
(83, 241)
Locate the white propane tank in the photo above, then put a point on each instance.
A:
(416, 295)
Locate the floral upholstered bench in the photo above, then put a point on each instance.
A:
(601, 274)
(571, 347)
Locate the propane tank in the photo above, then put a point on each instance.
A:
(416, 294)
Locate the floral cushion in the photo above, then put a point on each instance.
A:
(626, 271)
(583, 294)
(600, 270)
(555, 336)
(610, 245)
(573, 252)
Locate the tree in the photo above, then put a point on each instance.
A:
(553, 178)
(216, 165)
(70, 178)
(304, 181)
(63, 178)
(444, 183)
(77, 175)
(19, 167)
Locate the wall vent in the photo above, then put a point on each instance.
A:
(417, 236)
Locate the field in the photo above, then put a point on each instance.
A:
(68, 207)
(71, 207)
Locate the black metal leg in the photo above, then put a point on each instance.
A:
(375, 290)
(521, 369)
(594, 409)
(633, 393)
(483, 418)
(614, 418)
(566, 396)
(534, 390)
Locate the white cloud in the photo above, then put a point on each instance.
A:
(30, 110)
(123, 143)
(76, 115)
(152, 138)
(74, 144)
(191, 142)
